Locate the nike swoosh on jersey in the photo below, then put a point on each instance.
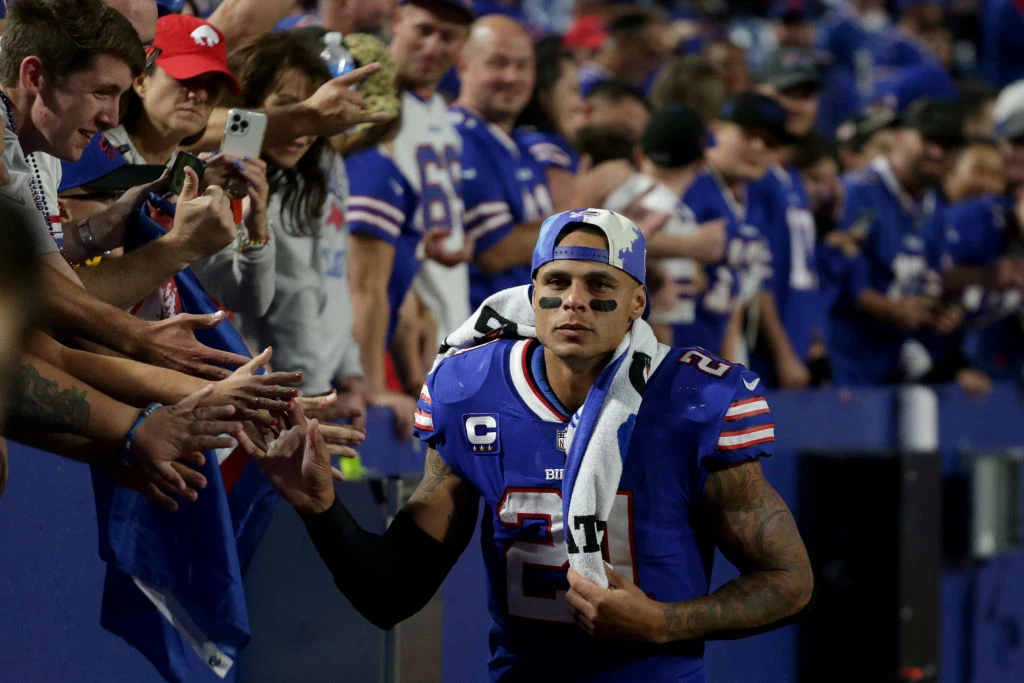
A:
(751, 385)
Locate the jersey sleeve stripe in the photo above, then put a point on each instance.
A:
(425, 394)
(361, 201)
(376, 221)
(491, 225)
(747, 408)
(728, 441)
(423, 421)
(485, 209)
(546, 151)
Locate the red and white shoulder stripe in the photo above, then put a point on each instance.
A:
(744, 438)
(748, 407)
(747, 422)
(423, 419)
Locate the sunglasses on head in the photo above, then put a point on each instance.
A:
(152, 52)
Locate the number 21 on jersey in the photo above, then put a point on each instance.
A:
(548, 551)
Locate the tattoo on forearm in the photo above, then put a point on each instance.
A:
(755, 530)
(40, 401)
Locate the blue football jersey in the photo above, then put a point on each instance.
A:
(977, 235)
(494, 420)
(383, 205)
(549, 150)
(794, 280)
(901, 255)
(501, 188)
(747, 261)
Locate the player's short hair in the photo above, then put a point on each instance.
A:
(66, 36)
(586, 228)
(617, 91)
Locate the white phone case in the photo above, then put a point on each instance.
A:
(243, 133)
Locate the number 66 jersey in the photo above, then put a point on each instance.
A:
(493, 418)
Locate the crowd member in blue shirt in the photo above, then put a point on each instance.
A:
(547, 127)
(503, 190)
(890, 290)
(987, 256)
(789, 308)
(1002, 50)
(747, 131)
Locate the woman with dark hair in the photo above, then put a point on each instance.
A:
(549, 122)
(309, 322)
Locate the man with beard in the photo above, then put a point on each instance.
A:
(891, 288)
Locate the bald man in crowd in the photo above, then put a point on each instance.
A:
(504, 190)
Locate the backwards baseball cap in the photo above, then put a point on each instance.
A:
(627, 249)
(191, 47)
(789, 67)
(754, 110)
(674, 137)
(101, 167)
(465, 7)
(939, 121)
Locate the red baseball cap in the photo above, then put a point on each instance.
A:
(190, 47)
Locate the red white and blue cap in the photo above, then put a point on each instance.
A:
(627, 249)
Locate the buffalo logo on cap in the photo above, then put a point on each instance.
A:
(205, 36)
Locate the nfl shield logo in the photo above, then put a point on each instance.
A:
(560, 440)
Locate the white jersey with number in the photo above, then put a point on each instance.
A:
(428, 152)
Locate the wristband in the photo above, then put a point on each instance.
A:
(87, 240)
(127, 456)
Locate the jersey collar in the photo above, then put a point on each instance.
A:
(528, 388)
(919, 211)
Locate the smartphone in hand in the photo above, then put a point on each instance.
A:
(178, 170)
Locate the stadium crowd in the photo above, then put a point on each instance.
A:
(831, 194)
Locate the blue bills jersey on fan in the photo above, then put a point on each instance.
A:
(550, 150)
(493, 418)
(737, 277)
(501, 188)
(383, 205)
(794, 280)
(901, 255)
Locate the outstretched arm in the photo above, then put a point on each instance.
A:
(388, 577)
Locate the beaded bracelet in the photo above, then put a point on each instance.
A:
(127, 456)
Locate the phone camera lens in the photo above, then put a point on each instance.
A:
(234, 127)
(245, 124)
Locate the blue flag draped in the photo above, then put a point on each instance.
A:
(188, 562)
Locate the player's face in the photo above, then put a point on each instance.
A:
(425, 45)
(742, 152)
(498, 76)
(583, 308)
(978, 171)
(292, 87)
(68, 114)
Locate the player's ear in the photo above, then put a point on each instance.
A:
(639, 303)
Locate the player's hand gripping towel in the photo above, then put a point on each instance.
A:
(598, 436)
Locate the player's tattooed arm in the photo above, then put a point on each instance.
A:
(755, 530)
(443, 505)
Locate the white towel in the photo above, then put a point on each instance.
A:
(597, 439)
